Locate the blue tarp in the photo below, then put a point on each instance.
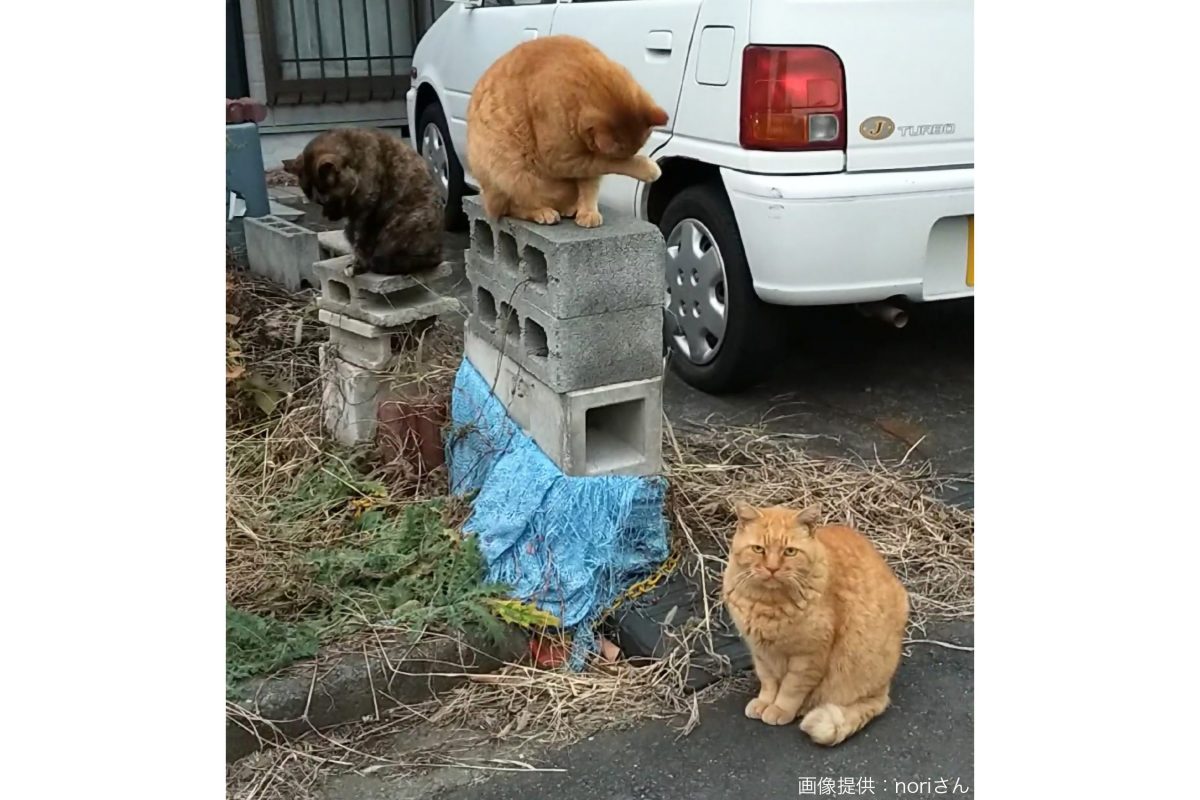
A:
(570, 544)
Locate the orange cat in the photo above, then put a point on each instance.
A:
(547, 120)
(824, 618)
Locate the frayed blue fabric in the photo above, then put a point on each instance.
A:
(569, 544)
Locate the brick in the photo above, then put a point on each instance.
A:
(568, 271)
(573, 353)
(244, 109)
(387, 301)
(409, 433)
(603, 430)
(281, 251)
(350, 400)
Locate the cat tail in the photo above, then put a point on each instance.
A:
(831, 724)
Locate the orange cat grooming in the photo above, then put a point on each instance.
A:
(547, 120)
(823, 616)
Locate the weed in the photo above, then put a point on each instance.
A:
(255, 644)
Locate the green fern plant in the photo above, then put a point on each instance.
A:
(255, 645)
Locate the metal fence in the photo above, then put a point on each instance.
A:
(330, 51)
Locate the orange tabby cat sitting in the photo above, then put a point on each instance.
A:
(547, 120)
(824, 618)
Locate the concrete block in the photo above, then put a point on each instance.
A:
(350, 401)
(568, 271)
(573, 353)
(281, 251)
(384, 300)
(370, 352)
(367, 345)
(286, 212)
(603, 430)
(334, 244)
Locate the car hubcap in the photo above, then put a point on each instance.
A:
(695, 299)
(433, 148)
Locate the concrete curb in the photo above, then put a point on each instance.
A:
(346, 687)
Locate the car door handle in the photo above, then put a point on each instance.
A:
(659, 42)
(531, 33)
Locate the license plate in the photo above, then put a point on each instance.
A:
(971, 251)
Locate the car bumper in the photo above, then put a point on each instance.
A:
(855, 237)
(410, 105)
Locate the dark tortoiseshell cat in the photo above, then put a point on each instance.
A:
(383, 190)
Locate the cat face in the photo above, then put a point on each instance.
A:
(325, 176)
(774, 547)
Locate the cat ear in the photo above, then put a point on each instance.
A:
(327, 169)
(809, 516)
(292, 165)
(602, 138)
(746, 512)
(655, 117)
(595, 130)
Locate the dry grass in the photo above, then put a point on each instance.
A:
(930, 545)
(277, 338)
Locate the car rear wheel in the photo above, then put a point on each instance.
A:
(714, 325)
(436, 147)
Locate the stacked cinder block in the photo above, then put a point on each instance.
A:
(371, 319)
(281, 251)
(567, 326)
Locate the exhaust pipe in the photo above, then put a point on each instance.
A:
(887, 313)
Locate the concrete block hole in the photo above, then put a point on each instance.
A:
(509, 323)
(535, 264)
(508, 250)
(485, 307)
(481, 237)
(535, 340)
(615, 436)
(339, 292)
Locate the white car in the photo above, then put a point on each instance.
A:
(818, 152)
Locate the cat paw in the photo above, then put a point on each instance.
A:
(589, 219)
(823, 723)
(774, 715)
(755, 707)
(650, 170)
(545, 216)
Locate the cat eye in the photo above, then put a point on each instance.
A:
(790, 551)
(758, 548)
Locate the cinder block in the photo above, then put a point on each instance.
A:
(385, 300)
(281, 251)
(367, 345)
(604, 430)
(334, 244)
(350, 400)
(370, 352)
(287, 212)
(573, 353)
(568, 271)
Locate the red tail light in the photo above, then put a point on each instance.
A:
(793, 98)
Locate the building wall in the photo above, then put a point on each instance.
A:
(287, 129)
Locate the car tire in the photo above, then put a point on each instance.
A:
(743, 350)
(432, 127)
